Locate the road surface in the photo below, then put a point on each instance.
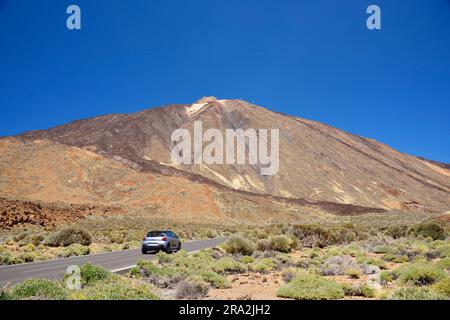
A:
(119, 261)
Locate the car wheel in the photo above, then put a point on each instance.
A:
(167, 249)
(144, 251)
(179, 246)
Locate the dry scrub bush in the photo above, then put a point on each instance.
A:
(239, 245)
(67, 236)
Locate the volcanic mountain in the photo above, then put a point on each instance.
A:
(320, 166)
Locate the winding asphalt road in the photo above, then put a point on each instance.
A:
(119, 261)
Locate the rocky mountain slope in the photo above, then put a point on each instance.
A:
(47, 183)
(318, 163)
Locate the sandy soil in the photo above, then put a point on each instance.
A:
(249, 286)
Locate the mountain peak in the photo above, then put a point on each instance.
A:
(208, 99)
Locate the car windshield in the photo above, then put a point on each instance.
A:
(155, 234)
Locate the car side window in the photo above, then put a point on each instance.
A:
(175, 235)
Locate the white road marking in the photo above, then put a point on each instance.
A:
(129, 267)
(123, 269)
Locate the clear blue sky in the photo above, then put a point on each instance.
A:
(315, 59)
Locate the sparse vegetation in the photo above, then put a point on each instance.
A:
(37, 288)
(303, 261)
(311, 287)
(121, 289)
(97, 284)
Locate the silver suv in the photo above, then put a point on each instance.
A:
(156, 241)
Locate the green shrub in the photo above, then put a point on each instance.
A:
(414, 293)
(38, 288)
(303, 263)
(396, 232)
(227, 264)
(91, 273)
(419, 247)
(239, 245)
(383, 249)
(443, 264)
(6, 258)
(401, 259)
(386, 276)
(367, 291)
(215, 279)
(395, 258)
(372, 261)
(281, 243)
(311, 287)
(263, 265)
(26, 257)
(148, 268)
(114, 290)
(437, 243)
(247, 259)
(211, 234)
(283, 259)
(116, 236)
(419, 274)
(74, 249)
(135, 272)
(348, 289)
(389, 257)
(67, 236)
(444, 251)
(352, 250)
(332, 251)
(32, 238)
(428, 229)
(353, 273)
(29, 247)
(442, 287)
(164, 257)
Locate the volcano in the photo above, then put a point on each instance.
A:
(117, 159)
